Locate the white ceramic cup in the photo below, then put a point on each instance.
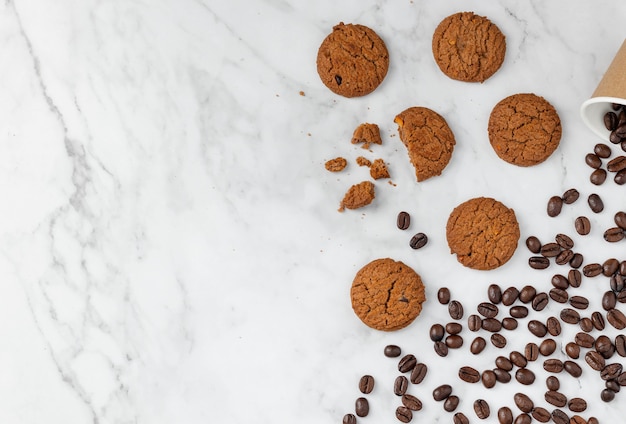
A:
(611, 89)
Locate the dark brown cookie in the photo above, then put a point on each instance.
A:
(428, 139)
(366, 134)
(524, 129)
(352, 60)
(468, 47)
(483, 233)
(357, 196)
(387, 295)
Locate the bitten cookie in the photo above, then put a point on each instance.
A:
(524, 129)
(468, 47)
(352, 60)
(428, 140)
(387, 295)
(483, 233)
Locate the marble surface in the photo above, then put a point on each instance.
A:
(171, 249)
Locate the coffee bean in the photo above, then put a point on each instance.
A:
(609, 300)
(553, 365)
(614, 234)
(361, 407)
(553, 383)
(481, 408)
(617, 282)
(576, 262)
(504, 363)
(505, 415)
(453, 328)
(525, 376)
(584, 340)
(400, 385)
(349, 419)
(494, 293)
(597, 320)
(621, 379)
(617, 164)
(610, 121)
(613, 385)
(474, 322)
(443, 295)
(418, 241)
(501, 375)
(586, 325)
(498, 340)
(570, 316)
(570, 196)
(442, 392)
(602, 150)
(577, 404)
(392, 351)
(454, 341)
(564, 257)
(582, 225)
(620, 177)
(437, 332)
(531, 352)
(593, 161)
(412, 402)
(592, 270)
(572, 350)
(492, 325)
(538, 262)
(407, 363)
(537, 328)
(455, 309)
(509, 296)
(523, 419)
(593, 420)
(620, 131)
(404, 220)
(598, 176)
(579, 302)
(418, 373)
(554, 326)
(572, 368)
(488, 310)
(611, 371)
(460, 418)
(559, 417)
(366, 384)
(559, 281)
(451, 403)
(616, 318)
(441, 349)
(614, 138)
(540, 301)
(509, 323)
(595, 203)
(541, 414)
(558, 295)
(547, 347)
(469, 374)
(574, 276)
(478, 345)
(620, 345)
(620, 219)
(527, 293)
(555, 398)
(523, 402)
(533, 244)
(555, 204)
(607, 395)
(550, 250)
(595, 360)
(404, 414)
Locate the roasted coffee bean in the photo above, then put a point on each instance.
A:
(418, 373)
(537, 328)
(607, 395)
(609, 300)
(564, 257)
(440, 348)
(451, 403)
(620, 131)
(570, 196)
(540, 301)
(361, 407)
(621, 379)
(412, 402)
(610, 121)
(602, 150)
(620, 219)
(604, 346)
(579, 302)
(523, 402)
(541, 414)
(498, 340)
(555, 204)
(570, 316)
(481, 409)
(349, 419)
(494, 292)
(554, 326)
(437, 332)
(453, 328)
(400, 385)
(613, 385)
(584, 340)
(404, 414)
(572, 368)
(407, 363)
(577, 404)
(492, 325)
(418, 241)
(531, 352)
(525, 376)
(366, 384)
(592, 270)
(597, 320)
(443, 295)
(526, 294)
(557, 399)
(553, 383)
(501, 375)
(614, 138)
(509, 296)
(576, 262)
(593, 161)
(523, 419)
(574, 277)
(620, 345)
(598, 176)
(518, 359)
(593, 420)
(621, 297)
(538, 262)
(610, 267)
(572, 350)
(559, 281)
(505, 415)
(455, 309)
(392, 351)
(617, 283)
(509, 323)
(553, 365)
(564, 241)
(620, 177)
(404, 220)
(469, 374)
(442, 392)
(559, 417)
(478, 345)
(614, 234)
(454, 341)
(595, 203)
(616, 318)
(586, 325)
(550, 250)
(595, 360)
(611, 371)
(533, 244)
(474, 322)
(558, 295)
(582, 225)
(488, 310)
(460, 418)
(504, 363)
(547, 347)
(617, 164)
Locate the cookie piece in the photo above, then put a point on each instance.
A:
(387, 295)
(366, 134)
(361, 161)
(352, 60)
(427, 138)
(379, 170)
(468, 47)
(524, 129)
(336, 165)
(358, 195)
(483, 233)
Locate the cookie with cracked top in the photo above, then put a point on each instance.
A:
(524, 129)
(352, 60)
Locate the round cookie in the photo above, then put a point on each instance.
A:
(524, 129)
(352, 60)
(387, 295)
(428, 140)
(468, 47)
(483, 233)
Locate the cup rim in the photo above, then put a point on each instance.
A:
(598, 127)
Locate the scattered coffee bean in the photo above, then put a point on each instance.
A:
(555, 398)
(572, 350)
(478, 345)
(558, 295)
(595, 360)
(609, 300)
(620, 178)
(498, 340)
(488, 310)
(554, 326)
(593, 161)
(555, 204)
(523, 402)
(443, 295)
(553, 365)
(455, 309)
(538, 262)
(418, 241)
(437, 332)
(570, 196)
(560, 281)
(553, 383)
(418, 373)
(559, 417)
(361, 407)
(509, 296)
(523, 419)
(531, 352)
(492, 325)
(501, 375)
(617, 282)
(412, 402)
(540, 301)
(400, 385)
(597, 320)
(593, 420)
(547, 347)
(366, 384)
(602, 150)
(607, 395)
(577, 404)
(564, 241)
(541, 414)
(474, 322)
(584, 340)
(564, 257)
(481, 409)
(392, 351)
(441, 349)
(572, 368)
(460, 418)
(537, 328)
(610, 121)
(621, 297)
(604, 346)
(592, 270)
(504, 363)
(454, 341)
(550, 250)
(349, 419)
(526, 294)
(404, 220)
(586, 325)
(620, 345)
(451, 403)
(469, 374)
(533, 244)
(576, 262)
(509, 323)
(453, 328)
(617, 164)
(518, 311)
(614, 234)
(621, 379)
(579, 302)
(525, 376)
(505, 415)
(494, 292)
(595, 203)
(616, 318)
(610, 267)
(598, 176)
(407, 363)
(404, 414)
(620, 219)
(582, 225)
(442, 392)
(611, 371)
(574, 277)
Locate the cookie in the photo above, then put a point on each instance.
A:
(357, 196)
(387, 295)
(468, 47)
(379, 170)
(336, 165)
(366, 134)
(428, 139)
(524, 129)
(483, 233)
(352, 60)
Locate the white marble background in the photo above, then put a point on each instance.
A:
(170, 246)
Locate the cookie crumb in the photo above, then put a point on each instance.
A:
(379, 170)
(336, 165)
(302, 93)
(367, 134)
(358, 195)
(361, 161)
